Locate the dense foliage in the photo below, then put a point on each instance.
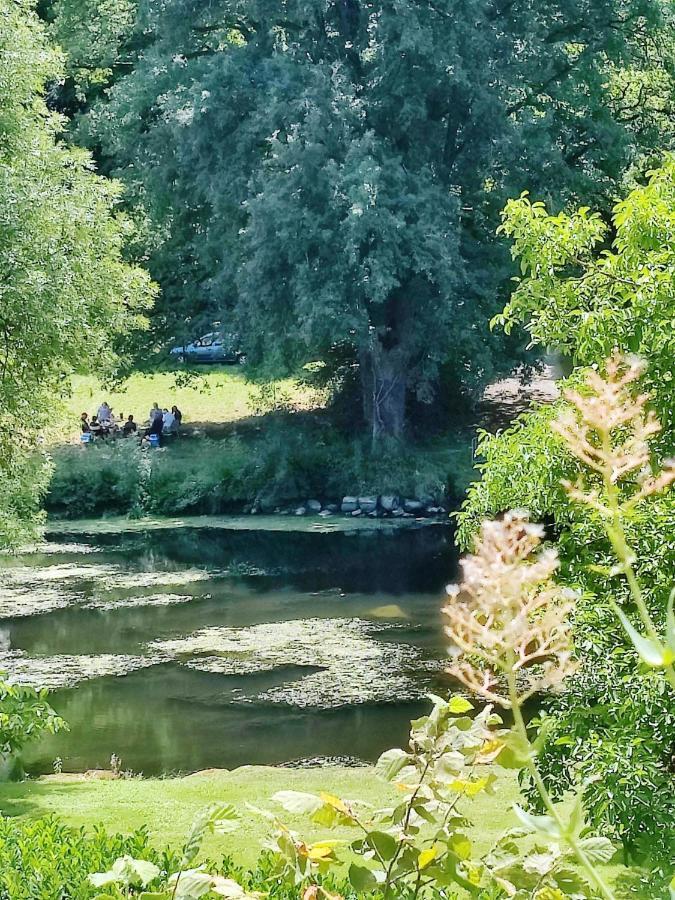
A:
(611, 731)
(284, 464)
(65, 292)
(330, 172)
(45, 859)
(25, 714)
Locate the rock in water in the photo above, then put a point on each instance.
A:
(389, 502)
(313, 506)
(349, 504)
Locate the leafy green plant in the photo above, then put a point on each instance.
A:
(420, 846)
(25, 714)
(421, 840)
(138, 877)
(611, 729)
(45, 859)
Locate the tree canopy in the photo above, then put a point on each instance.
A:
(66, 292)
(330, 172)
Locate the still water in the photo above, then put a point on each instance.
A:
(188, 648)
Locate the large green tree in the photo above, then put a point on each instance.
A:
(332, 170)
(65, 291)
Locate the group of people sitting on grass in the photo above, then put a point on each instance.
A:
(164, 421)
(105, 424)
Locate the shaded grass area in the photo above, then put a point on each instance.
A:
(167, 806)
(219, 394)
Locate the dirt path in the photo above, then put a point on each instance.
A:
(504, 400)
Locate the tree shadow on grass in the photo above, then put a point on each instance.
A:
(35, 799)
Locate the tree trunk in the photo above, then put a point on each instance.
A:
(384, 384)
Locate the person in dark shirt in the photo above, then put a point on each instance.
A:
(156, 426)
(84, 423)
(129, 427)
(95, 427)
(177, 414)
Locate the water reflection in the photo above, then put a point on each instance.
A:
(374, 599)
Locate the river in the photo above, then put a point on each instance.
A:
(182, 648)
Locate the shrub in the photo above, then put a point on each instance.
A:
(24, 716)
(46, 860)
(288, 462)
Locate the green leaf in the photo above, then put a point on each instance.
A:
(362, 879)
(576, 819)
(449, 765)
(598, 849)
(543, 825)
(670, 622)
(516, 753)
(127, 871)
(460, 845)
(385, 844)
(298, 802)
(191, 884)
(458, 705)
(390, 763)
(225, 819)
(650, 652)
(541, 863)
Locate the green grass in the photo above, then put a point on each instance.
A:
(218, 395)
(167, 806)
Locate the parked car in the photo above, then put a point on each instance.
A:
(214, 347)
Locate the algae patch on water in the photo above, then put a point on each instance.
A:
(354, 667)
(120, 524)
(63, 671)
(133, 602)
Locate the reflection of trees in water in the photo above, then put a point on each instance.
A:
(408, 560)
(168, 719)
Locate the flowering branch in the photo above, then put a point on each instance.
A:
(608, 429)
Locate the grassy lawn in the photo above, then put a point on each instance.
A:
(218, 395)
(167, 806)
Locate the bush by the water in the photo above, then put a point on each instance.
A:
(201, 475)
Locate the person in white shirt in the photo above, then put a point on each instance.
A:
(104, 412)
(169, 421)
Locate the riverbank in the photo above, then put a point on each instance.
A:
(295, 463)
(286, 523)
